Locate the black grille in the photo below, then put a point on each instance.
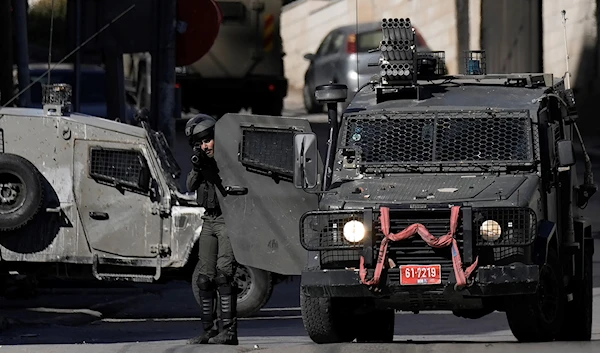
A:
(441, 138)
(324, 231)
(268, 149)
(518, 226)
(415, 251)
(117, 166)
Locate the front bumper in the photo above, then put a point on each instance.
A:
(488, 281)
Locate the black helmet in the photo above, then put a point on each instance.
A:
(199, 127)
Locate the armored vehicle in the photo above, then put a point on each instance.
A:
(438, 192)
(83, 197)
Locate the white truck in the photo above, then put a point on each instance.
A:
(243, 69)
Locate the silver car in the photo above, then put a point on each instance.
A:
(343, 57)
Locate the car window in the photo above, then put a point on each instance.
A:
(368, 40)
(336, 43)
(324, 44)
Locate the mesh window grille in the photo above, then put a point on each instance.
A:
(269, 149)
(445, 138)
(116, 166)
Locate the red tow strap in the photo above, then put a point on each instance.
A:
(417, 228)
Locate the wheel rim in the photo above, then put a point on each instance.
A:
(548, 294)
(12, 192)
(243, 280)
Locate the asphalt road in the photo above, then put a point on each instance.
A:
(162, 320)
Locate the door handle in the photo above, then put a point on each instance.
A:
(101, 216)
(236, 190)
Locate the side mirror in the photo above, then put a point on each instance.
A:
(305, 160)
(566, 156)
(309, 56)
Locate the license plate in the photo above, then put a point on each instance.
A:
(411, 275)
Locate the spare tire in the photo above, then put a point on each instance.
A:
(21, 192)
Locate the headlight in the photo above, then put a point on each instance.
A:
(490, 230)
(354, 231)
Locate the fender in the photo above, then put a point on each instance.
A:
(547, 235)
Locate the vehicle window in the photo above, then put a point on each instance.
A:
(117, 166)
(368, 40)
(324, 45)
(336, 43)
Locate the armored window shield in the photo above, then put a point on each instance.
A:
(566, 156)
(268, 150)
(119, 167)
(305, 157)
(441, 140)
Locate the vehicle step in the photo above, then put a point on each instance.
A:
(125, 277)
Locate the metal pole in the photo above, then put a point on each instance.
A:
(165, 75)
(20, 16)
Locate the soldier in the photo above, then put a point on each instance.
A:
(216, 260)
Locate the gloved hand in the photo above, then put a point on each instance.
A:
(199, 159)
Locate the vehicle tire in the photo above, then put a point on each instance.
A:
(21, 192)
(254, 289)
(538, 317)
(577, 325)
(310, 102)
(378, 326)
(324, 321)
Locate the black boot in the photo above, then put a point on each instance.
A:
(207, 307)
(228, 313)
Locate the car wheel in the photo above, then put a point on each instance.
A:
(539, 317)
(21, 192)
(310, 103)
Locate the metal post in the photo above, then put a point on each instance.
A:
(163, 70)
(20, 16)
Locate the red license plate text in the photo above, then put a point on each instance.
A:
(411, 275)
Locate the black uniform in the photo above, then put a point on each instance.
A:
(216, 259)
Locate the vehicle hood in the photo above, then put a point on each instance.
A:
(428, 188)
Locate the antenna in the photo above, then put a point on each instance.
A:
(50, 44)
(568, 73)
(357, 73)
(71, 53)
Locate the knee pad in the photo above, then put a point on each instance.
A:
(225, 283)
(205, 283)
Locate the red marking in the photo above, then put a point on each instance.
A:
(417, 228)
(271, 87)
(420, 274)
(269, 21)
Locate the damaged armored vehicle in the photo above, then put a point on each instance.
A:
(437, 192)
(83, 197)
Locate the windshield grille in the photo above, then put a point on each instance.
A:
(441, 138)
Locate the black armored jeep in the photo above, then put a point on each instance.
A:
(439, 192)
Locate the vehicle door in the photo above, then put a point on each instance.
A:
(116, 205)
(328, 58)
(256, 152)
